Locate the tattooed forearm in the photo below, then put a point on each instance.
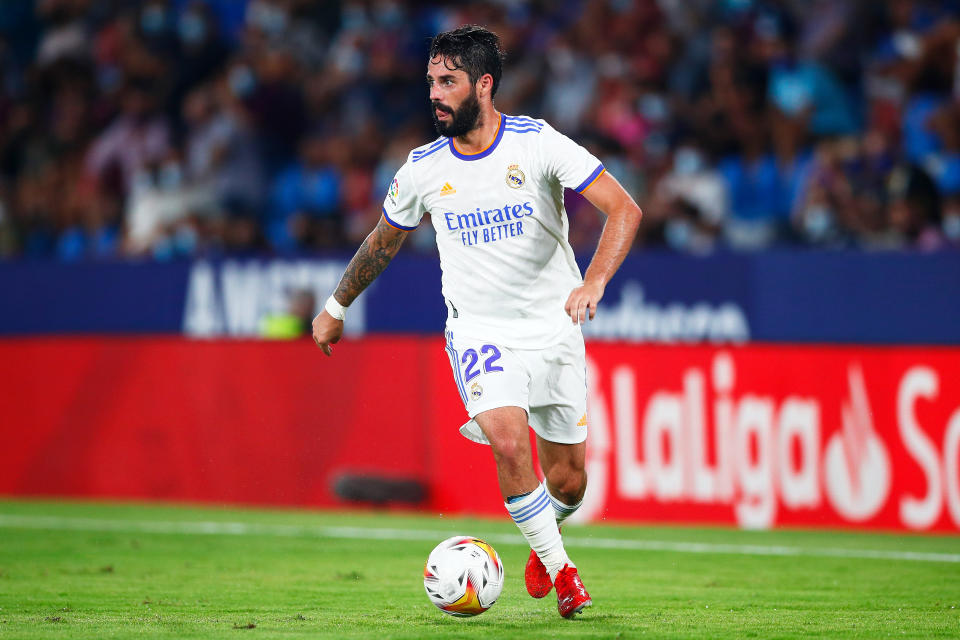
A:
(371, 259)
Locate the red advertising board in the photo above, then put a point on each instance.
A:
(231, 421)
(754, 436)
(765, 436)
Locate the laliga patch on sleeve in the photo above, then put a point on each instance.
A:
(393, 194)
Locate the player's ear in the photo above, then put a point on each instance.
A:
(485, 86)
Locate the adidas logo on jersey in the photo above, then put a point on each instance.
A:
(447, 189)
(583, 421)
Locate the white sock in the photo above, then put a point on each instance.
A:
(562, 509)
(535, 518)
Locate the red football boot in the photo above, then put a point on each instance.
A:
(572, 598)
(536, 576)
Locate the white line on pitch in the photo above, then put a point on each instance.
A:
(11, 521)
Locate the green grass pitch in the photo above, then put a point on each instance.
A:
(78, 570)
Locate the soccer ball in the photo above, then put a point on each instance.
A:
(463, 576)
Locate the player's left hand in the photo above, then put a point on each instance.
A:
(583, 300)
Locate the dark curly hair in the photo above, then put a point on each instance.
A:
(473, 49)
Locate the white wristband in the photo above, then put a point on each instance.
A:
(335, 309)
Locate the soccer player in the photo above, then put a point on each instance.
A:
(493, 184)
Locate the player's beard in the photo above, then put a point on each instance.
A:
(464, 120)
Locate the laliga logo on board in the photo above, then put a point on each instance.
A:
(856, 463)
(815, 455)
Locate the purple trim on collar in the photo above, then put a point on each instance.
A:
(485, 152)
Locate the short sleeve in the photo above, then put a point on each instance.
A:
(402, 208)
(567, 162)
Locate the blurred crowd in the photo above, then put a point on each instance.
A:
(174, 128)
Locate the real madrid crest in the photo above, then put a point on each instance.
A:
(476, 391)
(515, 177)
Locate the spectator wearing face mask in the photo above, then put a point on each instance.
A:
(306, 208)
(758, 208)
(950, 225)
(802, 89)
(156, 28)
(164, 210)
(201, 52)
(695, 200)
(137, 137)
(221, 151)
(915, 209)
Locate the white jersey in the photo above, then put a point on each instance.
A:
(501, 228)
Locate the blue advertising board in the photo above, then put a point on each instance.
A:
(782, 296)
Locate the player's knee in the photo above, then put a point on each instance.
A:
(567, 483)
(507, 450)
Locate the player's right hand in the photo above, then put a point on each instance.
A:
(326, 331)
(582, 302)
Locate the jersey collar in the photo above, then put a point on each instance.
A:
(485, 152)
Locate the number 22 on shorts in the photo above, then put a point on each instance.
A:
(470, 358)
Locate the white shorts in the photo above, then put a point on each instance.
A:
(549, 384)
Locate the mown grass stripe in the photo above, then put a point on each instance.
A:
(11, 521)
